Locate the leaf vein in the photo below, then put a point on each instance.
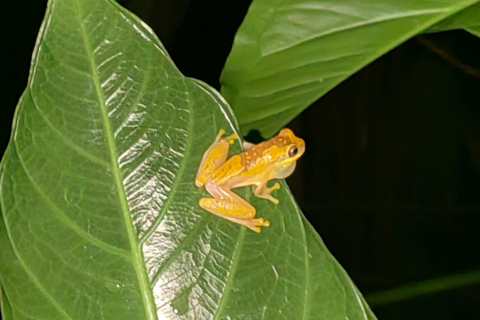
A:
(175, 185)
(82, 233)
(191, 235)
(67, 141)
(354, 26)
(25, 267)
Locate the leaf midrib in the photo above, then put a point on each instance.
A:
(138, 262)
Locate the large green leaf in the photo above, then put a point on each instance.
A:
(463, 19)
(468, 19)
(288, 53)
(100, 215)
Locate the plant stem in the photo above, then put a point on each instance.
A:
(449, 57)
(423, 288)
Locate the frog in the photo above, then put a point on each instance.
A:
(255, 166)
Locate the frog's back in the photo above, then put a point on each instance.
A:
(244, 168)
(231, 168)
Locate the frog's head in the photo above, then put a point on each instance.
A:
(291, 146)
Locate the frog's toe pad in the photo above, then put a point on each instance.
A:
(255, 224)
(276, 186)
(261, 223)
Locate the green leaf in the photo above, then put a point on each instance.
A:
(288, 53)
(5, 306)
(100, 215)
(468, 19)
(474, 30)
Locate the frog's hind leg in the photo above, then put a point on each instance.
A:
(230, 206)
(214, 157)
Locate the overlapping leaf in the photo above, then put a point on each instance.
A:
(468, 19)
(100, 216)
(288, 53)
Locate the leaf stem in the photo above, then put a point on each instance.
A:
(448, 57)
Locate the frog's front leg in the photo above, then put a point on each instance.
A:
(214, 157)
(262, 191)
(230, 206)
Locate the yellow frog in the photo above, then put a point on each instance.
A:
(256, 166)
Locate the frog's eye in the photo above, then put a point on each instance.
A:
(292, 152)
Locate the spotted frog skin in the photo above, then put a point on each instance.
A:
(256, 166)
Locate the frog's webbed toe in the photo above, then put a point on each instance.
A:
(254, 224)
(261, 191)
(231, 139)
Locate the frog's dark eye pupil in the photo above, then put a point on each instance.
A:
(293, 151)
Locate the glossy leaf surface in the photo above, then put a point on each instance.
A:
(287, 54)
(100, 215)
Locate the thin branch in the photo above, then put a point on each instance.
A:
(454, 61)
(423, 288)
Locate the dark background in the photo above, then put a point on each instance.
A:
(391, 177)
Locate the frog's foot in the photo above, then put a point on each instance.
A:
(261, 191)
(231, 139)
(254, 224)
(219, 135)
